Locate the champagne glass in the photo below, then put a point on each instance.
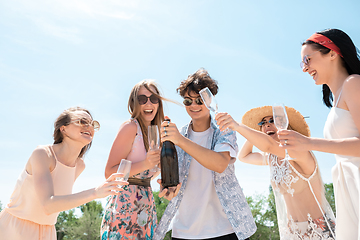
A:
(124, 168)
(154, 142)
(209, 99)
(281, 121)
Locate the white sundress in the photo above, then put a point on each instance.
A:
(346, 175)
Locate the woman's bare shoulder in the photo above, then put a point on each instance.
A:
(351, 82)
(42, 158)
(128, 127)
(42, 152)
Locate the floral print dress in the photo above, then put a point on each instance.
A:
(132, 214)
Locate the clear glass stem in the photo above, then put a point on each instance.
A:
(287, 156)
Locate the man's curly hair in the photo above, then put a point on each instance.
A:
(197, 81)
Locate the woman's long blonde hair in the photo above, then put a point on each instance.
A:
(134, 107)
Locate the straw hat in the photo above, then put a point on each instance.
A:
(296, 121)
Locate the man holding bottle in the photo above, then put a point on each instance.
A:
(210, 203)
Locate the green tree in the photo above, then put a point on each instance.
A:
(65, 221)
(92, 206)
(0, 206)
(263, 210)
(88, 225)
(329, 194)
(161, 204)
(271, 215)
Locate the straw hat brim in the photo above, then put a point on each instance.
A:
(296, 121)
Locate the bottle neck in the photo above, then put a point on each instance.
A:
(168, 142)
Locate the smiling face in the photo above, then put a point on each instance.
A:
(195, 111)
(269, 128)
(319, 65)
(149, 109)
(79, 132)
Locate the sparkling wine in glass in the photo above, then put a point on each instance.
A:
(281, 121)
(154, 142)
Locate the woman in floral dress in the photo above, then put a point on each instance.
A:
(132, 214)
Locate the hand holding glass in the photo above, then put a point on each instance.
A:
(124, 168)
(210, 101)
(154, 141)
(281, 121)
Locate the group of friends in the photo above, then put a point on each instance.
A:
(209, 202)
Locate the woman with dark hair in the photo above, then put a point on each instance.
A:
(45, 186)
(332, 60)
(134, 216)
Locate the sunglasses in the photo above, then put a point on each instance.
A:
(188, 101)
(142, 99)
(84, 122)
(264, 122)
(306, 60)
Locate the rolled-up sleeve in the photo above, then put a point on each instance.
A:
(225, 147)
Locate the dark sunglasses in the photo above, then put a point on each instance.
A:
(142, 99)
(189, 101)
(264, 122)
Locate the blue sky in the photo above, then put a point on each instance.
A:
(58, 54)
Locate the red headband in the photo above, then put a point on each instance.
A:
(324, 41)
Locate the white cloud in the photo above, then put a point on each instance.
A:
(65, 19)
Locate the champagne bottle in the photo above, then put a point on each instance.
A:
(169, 164)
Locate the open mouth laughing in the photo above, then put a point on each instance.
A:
(270, 133)
(312, 73)
(148, 111)
(87, 133)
